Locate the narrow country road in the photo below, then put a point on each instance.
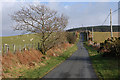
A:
(77, 66)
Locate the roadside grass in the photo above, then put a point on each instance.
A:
(105, 67)
(41, 70)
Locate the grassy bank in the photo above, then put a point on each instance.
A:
(44, 67)
(105, 67)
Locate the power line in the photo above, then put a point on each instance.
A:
(106, 19)
(115, 10)
(109, 15)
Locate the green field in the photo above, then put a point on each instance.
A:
(18, 40)
(21, 41)
(102, 36)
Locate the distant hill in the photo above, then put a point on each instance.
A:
(105, 28)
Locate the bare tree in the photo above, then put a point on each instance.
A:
(43, 21)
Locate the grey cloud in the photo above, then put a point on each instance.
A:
(92, 14)
(79, 13)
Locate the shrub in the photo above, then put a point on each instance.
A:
(71, 37)
(95, 42)
(90, 39)
(112, 47)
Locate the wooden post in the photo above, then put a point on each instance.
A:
(7, 48)
(38, 45)
(87, 33)
(14, 48)
(32, 45)
(111, 23)
(35, 46)
(29, 46)
(0, 49)
(92, 34)
(24, 46)
(3, 48)
(20, 48)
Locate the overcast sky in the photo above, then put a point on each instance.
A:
(80, 13)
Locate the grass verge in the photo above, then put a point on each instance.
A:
(105, 67)
(49, 64)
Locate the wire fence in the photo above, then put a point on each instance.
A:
(13, 48)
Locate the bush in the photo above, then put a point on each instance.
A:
(112, 47)
(95, 42)
(71, 37)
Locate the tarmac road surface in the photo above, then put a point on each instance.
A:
(76, 66)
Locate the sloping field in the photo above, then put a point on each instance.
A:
(102, 36)
(21, 40)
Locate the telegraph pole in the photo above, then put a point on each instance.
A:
(92, 33)
(111, 23)
(87, 33)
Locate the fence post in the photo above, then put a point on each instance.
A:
(0, 48)
(24, 46)
(14, 48)
(20, 48)
(35, 46)
(38, 45)
(3, 48)
(7, 48)
(28, 46)
(32, 45)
